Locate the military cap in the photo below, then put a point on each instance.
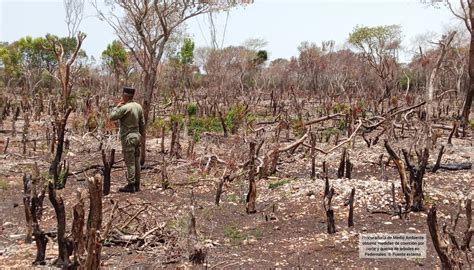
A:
(129, 91)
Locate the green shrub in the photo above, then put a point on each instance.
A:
(278, 183)
(198, 125)
(191, 109)
(235, 117)
(233, 233)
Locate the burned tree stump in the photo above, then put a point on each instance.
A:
(447, 253)
(466, 245)
(27, 205)
(350, 219)
(331, 224)
(349, 167)
(108, 164)
(58, 205)
(94, 223)
(345, 165)
(438, 160)
(401, 171)
(77, 231)
(455, 127)
(252, 194)
(416, 179)
(342, 164)
(197, 253)
(313, 155)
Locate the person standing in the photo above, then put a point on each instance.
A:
(132, 126)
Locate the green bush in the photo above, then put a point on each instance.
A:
(198, 125)
(191, 109)
(235, 117)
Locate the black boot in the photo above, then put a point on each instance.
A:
(137, 186)
(130, 188)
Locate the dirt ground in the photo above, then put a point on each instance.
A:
(288, 230)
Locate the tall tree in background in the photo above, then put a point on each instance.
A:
(146, 28)
(464, 12)
(379, 46)
(116, 59)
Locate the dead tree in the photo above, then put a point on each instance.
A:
(36, 210)
(108, 164)
(453, 130)
(197, 253)
(438, 160)
(466, 245)
(94, 223)
(350, 202)
(328, 194)
(252, 194)
(416, 179)
(77, 231)
(342, 164)
(448, 252)
(27, 205)
(58, 205)
(313, 155)
(401, 171)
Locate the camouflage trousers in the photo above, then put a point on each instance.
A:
(131, 156)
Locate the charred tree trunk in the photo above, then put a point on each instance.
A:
(401, 171)
(77, 231)
(445, 251)
(313, 155)
(349, 167)
(108, 164)
(416, 179)
(94, 223)
(331, 224)
(27, 205)
(466, 245)
(252, 194)
(438, 160)
(197, 253)
(350, 219)
(342, 164)
(58, 205)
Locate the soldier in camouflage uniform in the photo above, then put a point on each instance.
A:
(132, 126)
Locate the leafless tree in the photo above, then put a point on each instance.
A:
(74, 15)
(147, 27)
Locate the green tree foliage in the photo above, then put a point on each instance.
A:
(379, 46)
(378, 39)
(186, 54)
(115, 57)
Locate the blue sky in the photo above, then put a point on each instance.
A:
(284, 24)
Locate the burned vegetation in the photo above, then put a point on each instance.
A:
(251, 163)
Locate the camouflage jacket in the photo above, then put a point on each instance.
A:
(131, 118)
